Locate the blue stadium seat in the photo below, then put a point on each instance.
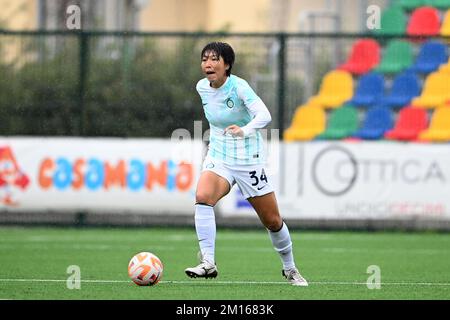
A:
(431, 55)
(377, 122)
(405, 87)
(369, 91)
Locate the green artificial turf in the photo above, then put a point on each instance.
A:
(34, 262)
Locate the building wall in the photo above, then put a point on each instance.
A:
(174, 15)
(18, 14)
(206, 15)
(215, 15)
(293, 17)
(253, 15)
(239, 16)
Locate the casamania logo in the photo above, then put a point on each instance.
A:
(94, 174)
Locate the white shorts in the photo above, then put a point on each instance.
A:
(251, 179)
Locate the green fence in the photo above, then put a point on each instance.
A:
(143, 84)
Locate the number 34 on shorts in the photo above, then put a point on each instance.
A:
(256, 181)
(251, 179)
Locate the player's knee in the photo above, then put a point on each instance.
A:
(205, 198)
(274, 224)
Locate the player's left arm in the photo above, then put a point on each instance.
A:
(258, 110)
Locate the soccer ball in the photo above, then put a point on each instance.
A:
(145, 269)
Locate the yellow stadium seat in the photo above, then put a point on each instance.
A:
(445, 67)
(439, 129)
(445, 27)
(308, 122)
(436, 91)
(335, 89)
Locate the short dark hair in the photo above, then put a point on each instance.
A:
(223, 50)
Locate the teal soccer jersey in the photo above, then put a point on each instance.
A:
(223, 107)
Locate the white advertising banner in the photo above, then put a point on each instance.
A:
(351, 180)
(102, 175)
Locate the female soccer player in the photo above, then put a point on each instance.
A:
(235, 156)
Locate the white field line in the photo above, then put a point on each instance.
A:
(237, 282)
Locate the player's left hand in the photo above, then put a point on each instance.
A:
(234, 130)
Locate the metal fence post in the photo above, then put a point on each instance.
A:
(83, 70)
(281, 82)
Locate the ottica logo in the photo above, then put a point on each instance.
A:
(347, 170)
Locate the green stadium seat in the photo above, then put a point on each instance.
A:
(342, 123)
(398, 56)
(393, 22)
(413, 4)
(440, 4)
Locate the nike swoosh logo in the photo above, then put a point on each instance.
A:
(262, 187)
(204, 104)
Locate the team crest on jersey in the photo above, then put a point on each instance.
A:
(230, 103)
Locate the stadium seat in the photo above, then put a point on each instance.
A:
(369, 91)
(445, 27)
(308, 122)
(393, 22)
(445, 67)
(440, 4)
(424, 21)
(439, 129)
(342, 123)
(411, 121)
(432, 54)
(377, 121)
(413, 4)
(364, 56)
(435, 92)
(405, 87)
(335, 89)
(397, 56)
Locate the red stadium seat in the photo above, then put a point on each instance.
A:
(424, 21)
(411, 121)
(364, 56)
